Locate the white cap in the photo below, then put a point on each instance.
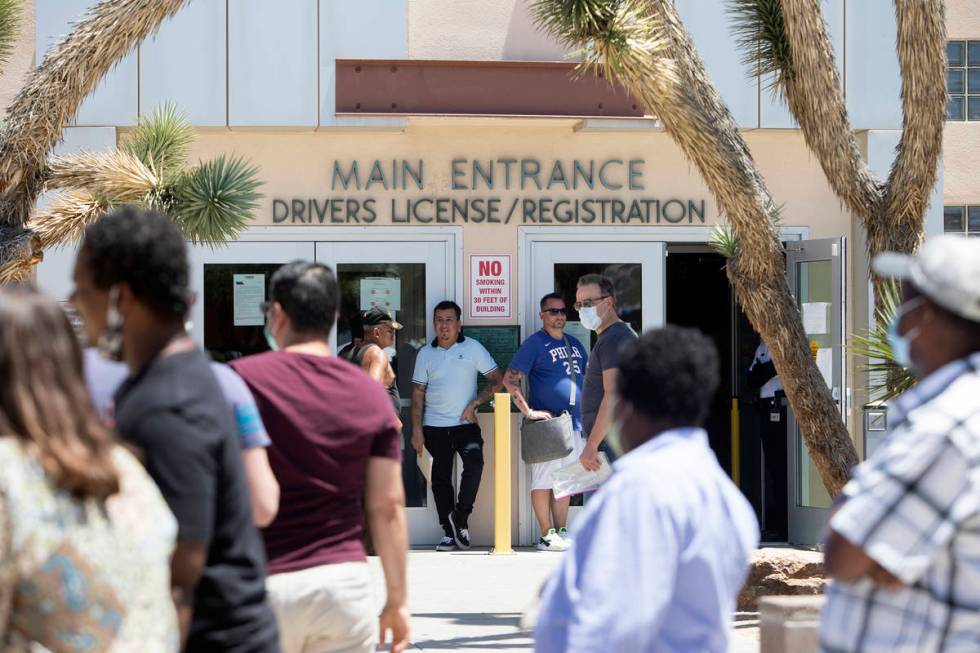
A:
(946, 269)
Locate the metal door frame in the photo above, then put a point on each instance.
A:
(805, 524)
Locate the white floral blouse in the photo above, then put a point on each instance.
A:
(83, 576)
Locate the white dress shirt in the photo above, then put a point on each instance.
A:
(658, 558)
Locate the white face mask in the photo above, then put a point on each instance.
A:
(590, 317)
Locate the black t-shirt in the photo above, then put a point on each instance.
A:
(356, 355)
(174, 412)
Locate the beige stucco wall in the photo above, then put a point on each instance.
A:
(299, 165)
(963, 19)
(961, 161)
(961, 140)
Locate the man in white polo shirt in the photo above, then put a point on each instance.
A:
(444, 403)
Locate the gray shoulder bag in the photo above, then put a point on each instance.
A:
(544, 440)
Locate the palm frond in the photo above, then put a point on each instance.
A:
(575, 22)
(114, 175)
(760, 32)
(723, 241)
(11, 12)
(214, 201)
(161, 140)
(63, 221)
(887, 379)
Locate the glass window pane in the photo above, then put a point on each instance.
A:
(973, 57)
(815, 287)
(626, 278)
(954, 53)
(225, 340)
(973, 107)
(973, 219)
(953, 219)
(954, 81)
(973, 80)
(407, 283)
(955, 109)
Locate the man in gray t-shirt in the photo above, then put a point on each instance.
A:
(595, 300)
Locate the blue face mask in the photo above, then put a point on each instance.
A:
(269, 339)
(901, 344)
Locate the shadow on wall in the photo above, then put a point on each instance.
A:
(524, 42)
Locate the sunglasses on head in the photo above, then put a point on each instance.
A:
(554, 311)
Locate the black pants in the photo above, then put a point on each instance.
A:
(772, 431)
(443, 443)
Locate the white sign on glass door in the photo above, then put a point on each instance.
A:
(385, 292)
(248, 297)
(490, 287)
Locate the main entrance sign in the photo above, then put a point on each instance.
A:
(495, 191)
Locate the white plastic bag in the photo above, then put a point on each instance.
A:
(574, 479)
(425, 465)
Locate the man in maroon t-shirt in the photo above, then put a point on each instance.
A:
(335, 440)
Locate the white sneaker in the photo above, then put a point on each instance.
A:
(552, 542)
(446, 544)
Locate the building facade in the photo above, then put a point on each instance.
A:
(439, 149)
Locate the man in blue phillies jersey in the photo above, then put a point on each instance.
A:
(554, 364)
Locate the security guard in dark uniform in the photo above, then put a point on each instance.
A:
(772, 431)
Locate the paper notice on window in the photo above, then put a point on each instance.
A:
(248, 297)
(816, 318)
(825, 363)
(385, 292)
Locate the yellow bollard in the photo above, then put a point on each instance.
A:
(501, 474)
(736, 444)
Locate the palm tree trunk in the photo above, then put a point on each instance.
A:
(54, 92)
(695, 117)
(892, 211)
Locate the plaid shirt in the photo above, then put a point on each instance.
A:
(914, 507)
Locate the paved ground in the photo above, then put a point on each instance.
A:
(473, 601)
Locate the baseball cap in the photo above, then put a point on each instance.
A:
(946, 269)
(377, 315)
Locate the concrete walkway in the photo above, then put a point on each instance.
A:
(472, 601)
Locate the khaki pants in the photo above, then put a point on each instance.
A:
(326, 609)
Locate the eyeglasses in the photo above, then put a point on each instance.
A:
(553, 311)
(589, 303)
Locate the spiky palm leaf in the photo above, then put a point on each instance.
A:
(64, 219)
(115, 176)
(887, 379)
(161, 140)
(723, 241)
(214, 201)
(761, 35)
(11, 12)
(576, 21)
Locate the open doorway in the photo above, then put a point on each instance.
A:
(698, 295)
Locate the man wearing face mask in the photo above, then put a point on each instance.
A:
(671, 584)
(595, 301)
(131, 290)
(904, 543)
(336, 450)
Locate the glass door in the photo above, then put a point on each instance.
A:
(230, 283)
(815, 272)
(409, 279)
(637, 270)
